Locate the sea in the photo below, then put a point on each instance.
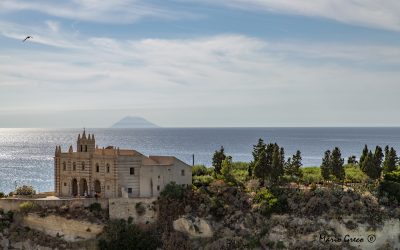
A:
(26, 155)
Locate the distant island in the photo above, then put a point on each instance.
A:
(134, 122)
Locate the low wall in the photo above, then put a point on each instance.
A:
(142, 210)
(13, 204)
(67, 229)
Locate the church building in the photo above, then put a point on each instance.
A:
(112, 172)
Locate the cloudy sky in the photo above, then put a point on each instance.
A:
(194, 63)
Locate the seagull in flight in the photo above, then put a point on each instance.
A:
(28, 37)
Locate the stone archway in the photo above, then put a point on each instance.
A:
(74, 187)
(97, 186)
(83, 187)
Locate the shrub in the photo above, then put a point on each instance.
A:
(393, 176)
(354, 174)
(25, 190)
(311, 175)
(95, 207)
(173, 191)
(202, 181)
(118, 234)
(140, 208)
(27, 206)
(267, 200)
(391, 188)
(200, 170)
(2, 195)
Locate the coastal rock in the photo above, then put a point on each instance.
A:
(194, 227)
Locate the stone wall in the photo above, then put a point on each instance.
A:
(13, 204)
(66, 229)
(142, 210)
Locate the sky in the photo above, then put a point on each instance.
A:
(200, 63)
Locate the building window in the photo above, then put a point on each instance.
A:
(183, 172)
(158, 187)
(83, 165)
(64, 166)
(129, 190)
(97, 168)
(132, 171)
(81, 148)
(85, 148)
(65, 184)
(108, 187)
(108, 168)
(158, 177)
(74, 166)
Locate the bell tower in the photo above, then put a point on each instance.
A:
(85, 144)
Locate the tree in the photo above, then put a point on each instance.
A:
(389, 164)
(378, 157)
(363, 156)
(352, 160)
(260, 146)
(326, 167)
(277, 166)
(337, 164)
(370, 167)
(217, 159)
(261, 166)
(293, 167)
(226, 169)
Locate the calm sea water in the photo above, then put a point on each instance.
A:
(26, 155)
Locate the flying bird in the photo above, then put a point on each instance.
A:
(28, 37)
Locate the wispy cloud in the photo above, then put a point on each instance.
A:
(383, 14)
(116, 11)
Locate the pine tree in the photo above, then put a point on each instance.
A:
(260, 146)
(277, 167)
(337, 164)
(326, 167)
(217, 159)
(378, 159)
(363, 156)
(370, 167)
(296, 165)
(261, 166)
(389, 164)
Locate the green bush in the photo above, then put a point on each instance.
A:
(173, 191)
(27, 207)
(25, 190)
(202, 181)
(95, 207)
(393, 176)
(5, 219)
(268, 202)
(391, 188)
(140, 208)
(2, 195)
(118, 234)
(354, 174)
(311, 175)
(200, 170)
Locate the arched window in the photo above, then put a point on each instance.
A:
(85, 148)
(74, 166)
(108, 168)
(83, 165)
(97, 168)
(64, 166)
(81, 148)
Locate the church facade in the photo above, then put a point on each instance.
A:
(112, 172)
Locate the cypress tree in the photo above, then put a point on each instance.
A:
(363, 156)
(326, 168)
(261, 166)
(277, 167)
(389, 164)
(378, 159)
(337, 164)
(257, 149)
(297, 165)
(370, 166)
